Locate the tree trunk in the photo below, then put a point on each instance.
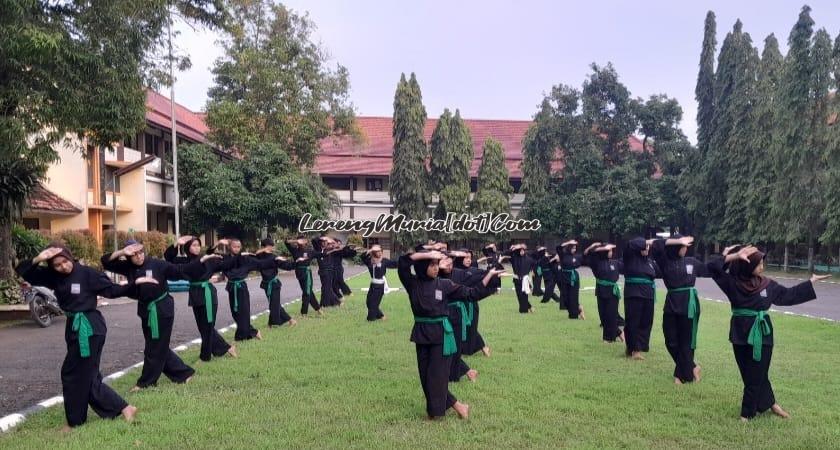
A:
(810, 253)
(6, 250)
(785, 263)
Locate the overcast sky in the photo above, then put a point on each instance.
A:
(494, 59)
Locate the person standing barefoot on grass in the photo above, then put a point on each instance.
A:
(270, 283)
(739, 274)
(76, 288)
(607, 293)
(432, 333)
(377, 268)
(639, 296)
(569, 279)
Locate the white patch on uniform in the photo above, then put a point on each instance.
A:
(612, 267)
(148, 274)
(689, 269)
(438, 295)
(573, 260)
(75, 288)
(764, 293)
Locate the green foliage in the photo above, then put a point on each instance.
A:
(27, 243)
(408, 180)
(81, 243)
(273, 85)
(10, 291)
(493, 188)
(451, 151)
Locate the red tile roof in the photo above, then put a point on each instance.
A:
(372, 154)
(190, 124)
(43, 200)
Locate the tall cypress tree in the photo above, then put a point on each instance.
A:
(408, 174)
(831, 212)
(451, 157)
(764, 120)
(732, 150)
(494, 189)
(440, 152)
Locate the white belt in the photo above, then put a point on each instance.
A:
(377, 281)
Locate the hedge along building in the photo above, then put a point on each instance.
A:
(79, 189)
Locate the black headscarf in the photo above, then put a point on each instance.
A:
(65, 252)
(745, 279)
(420, 267)
(458, 261)
(673, 251)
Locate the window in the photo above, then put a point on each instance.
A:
(31, 223)
(516, 184)
(373, 184)
(109, 178)
(368, 242)
(337, 183)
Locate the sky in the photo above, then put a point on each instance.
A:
(495, 59)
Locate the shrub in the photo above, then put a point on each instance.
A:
(10, 292)
(27, 243)
(82, 244)
(154, 241)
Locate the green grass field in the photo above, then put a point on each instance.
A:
(340, 382)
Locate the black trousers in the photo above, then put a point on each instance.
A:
(434, 378)
(373, 300)
(328, 289)
(758, 393)
(677, 330)
(521, 297)
(459, 367)
(159, 358)
(241, 312)
(475, 342)
(550, 285)
(212, 343)
(277, 315)
(81, 384)
(307, 296)
(538, 279)
(638, 313)
(571, 297)
(342, 285)
(608, 313)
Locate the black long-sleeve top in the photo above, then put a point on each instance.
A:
(604, 269)
(302, 252)
(774, 294)
(269, 265)
(76, 291)
(677, 273)
(211, 266)
(568, 261)
(378, 270)
(430, 298)
(638, 266)
(522, 264)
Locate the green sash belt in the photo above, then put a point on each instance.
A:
(236, 285)
(466, 316)
(573, 276)
(208, 297)
(450, 347)
(308, 288)
(642, 280)
(693, 310)
(153, 315)
(760, 328)
(616, 290)
(539, 271)
(270, 287)
(83, 329)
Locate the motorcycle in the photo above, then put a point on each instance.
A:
(42, 304)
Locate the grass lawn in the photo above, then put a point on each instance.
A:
(340, 382)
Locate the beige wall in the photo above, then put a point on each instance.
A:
(68, 176)
(133, 195)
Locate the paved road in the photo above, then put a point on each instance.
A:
(31, 357)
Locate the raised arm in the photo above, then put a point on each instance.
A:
(35, 274)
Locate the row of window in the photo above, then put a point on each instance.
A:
(377, 184)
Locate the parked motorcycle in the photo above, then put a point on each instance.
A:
(43, 305)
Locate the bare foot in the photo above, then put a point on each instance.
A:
(777, 410)
(472, 374)
(258, 336)
(292, 322)
(637, 356)
(129, 412)
(744, 419)
(384, 317)
(621, 336)
(433, 418)
(66, 429)
(462, 409)
(485, 350)
(697, 371)
(134, 389)
(582, 316)
(232, 352)
(320, 312)
(677, 381)
(188, 379)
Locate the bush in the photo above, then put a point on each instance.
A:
(82, 244)
(27, 243)
(10, 292)
(154, 241)
(356, 239)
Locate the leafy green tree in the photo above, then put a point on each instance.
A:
(493, 186)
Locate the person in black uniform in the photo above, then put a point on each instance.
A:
(639, 296)
(377, 268)
(303, 259)
(277, 315)
(606, 270)
(751, 295)
(569, 279)
(76, 288)
(538, 255)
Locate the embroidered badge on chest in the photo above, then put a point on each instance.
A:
(689, 269)
(438, 295)
(75, 288)
(148, 273)
(612, 267)
(764, 293)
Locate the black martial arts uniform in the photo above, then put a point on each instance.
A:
(432, 333)
(681, 313)
(475, 341)
(303, 273)
(461, 312)
(639, 296)
(329, 264)
(156, 310)
(236, 269)
(569, 281)
(751, 322)
(84, 335)
(522, 265)
(377, 273)
(271, 284)
(538, 256)
(607, 292)
(549, 278)
(204, 301)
